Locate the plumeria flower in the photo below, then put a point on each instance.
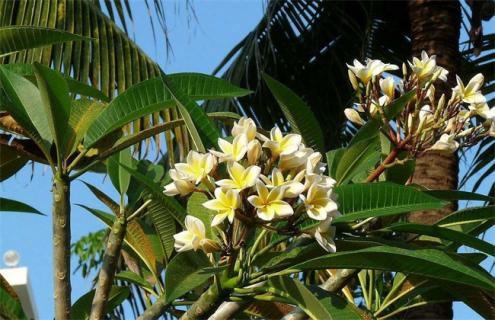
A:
(244, 126)
(293, 188)
(253, 151)
(372, 69)
(353, 116)
(388, 87)
(234, 151)
(240, 177)
(318, 202)
(269, 204)
(324, 233)
(425, 117)
(296, 159)
(446, 143)
(427, 67)
(280, 144)
(194, 237)
(225, 203)
(180, 185)
(197, 166)
(480, 109)
(470, 93)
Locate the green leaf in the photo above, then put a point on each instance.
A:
(338, 306)
(82, 307)
(444, 233)
(10, 162)
(454, 195)
(302, 120)
(17, 38)
(136, 279)
(118, 175)
(151, 95)
(333, 159)
(360, 201)
(10, 305)
(24, 106)
(184, 273)
(357, 158)
(16, 206)
(468, 216)
(75, 87)
(299, 294)
(195, 208)
(83, 113)
(57, 104)
(431, 263)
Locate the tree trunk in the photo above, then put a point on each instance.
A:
(61, 246)
(435, 28)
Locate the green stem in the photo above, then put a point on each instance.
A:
(156, 310)
(61, 245)
(107, 272)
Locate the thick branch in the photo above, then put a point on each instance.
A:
(61, 246)
(203, 305)
(107, 272)
(155, 310)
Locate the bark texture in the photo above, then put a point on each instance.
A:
(107, 272)
(61, 246)
(435, 28)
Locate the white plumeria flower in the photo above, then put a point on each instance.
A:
(480, 109)
(234, 151)
(427, 67)
(244, 126)
(446, 143)
(225, 203)
(491, 131)
(372, 69)
(269, 204)
(280, 144)
(197, 166)
(253, 151)
(388, 87)
(318, 202)
(293, 188)
(470, 93)
(180, 185)
(353, 116)
(193, 237)
(425, 117)
(240, 177)
(324, 233)
(314, 164)
(296, 159)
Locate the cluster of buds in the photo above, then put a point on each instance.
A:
(427, 122)
(255, 181)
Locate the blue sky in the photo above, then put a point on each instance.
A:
(198, 47)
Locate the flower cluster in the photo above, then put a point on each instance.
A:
(428, 121)
(268, 181)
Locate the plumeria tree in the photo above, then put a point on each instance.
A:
(264, 224)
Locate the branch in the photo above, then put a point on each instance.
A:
(155, 310)
(204, 304)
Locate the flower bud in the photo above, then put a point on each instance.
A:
(404, 70)
(253, 152)
(353, 80)
(353, 116)
(209, 245)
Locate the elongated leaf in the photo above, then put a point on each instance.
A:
(151, 95)
(430, 263)
(295, 291)
(118, 175)
(82, 307)
(184, 273)
(16, 38)
(24, 106)
(338, 306)
(444, 233)
(134, 278)
(16, 206)
(468, 216)
(10, 162)
(358, 157)
(298, 113)
(83, 113)
(359, 201)
(75, 87)
(57, 105)
(454, 195)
